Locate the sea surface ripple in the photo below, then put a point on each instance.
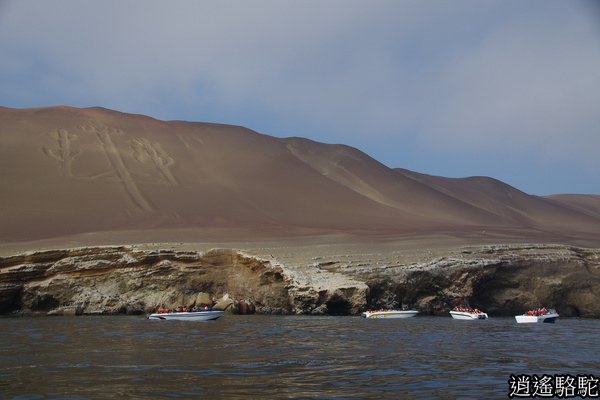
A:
(118, 357)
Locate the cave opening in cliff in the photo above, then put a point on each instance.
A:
(338, 306)
(44, 302)
(10, 299)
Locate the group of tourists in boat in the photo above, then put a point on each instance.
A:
(467, 313)
(540, 314)
(539, 311)
(466, 309)
(164, 310)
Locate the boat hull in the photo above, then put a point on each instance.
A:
(390, 314)
(188, 316)
(467, 316)
(533, 319)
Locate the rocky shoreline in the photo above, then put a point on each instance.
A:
(501, 279)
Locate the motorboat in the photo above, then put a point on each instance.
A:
(202, 315)
(539, 315)
(468, 315)
(389, 313)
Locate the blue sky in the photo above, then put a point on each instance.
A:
(508, 89)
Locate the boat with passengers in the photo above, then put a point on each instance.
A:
(467, 313)
(185, 314)
(545, 315)
(389, 313)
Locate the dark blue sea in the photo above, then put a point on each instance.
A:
(280, 357)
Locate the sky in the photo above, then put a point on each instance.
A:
(502, 88)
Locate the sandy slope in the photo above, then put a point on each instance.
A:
(512, 206)
(75, 173)
(586, 204)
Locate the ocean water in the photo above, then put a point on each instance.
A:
(263, 357)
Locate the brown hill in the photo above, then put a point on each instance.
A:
(585, 203)
(69, 171)
(512, 206)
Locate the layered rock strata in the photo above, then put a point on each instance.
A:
(113, 280)
(503, 280)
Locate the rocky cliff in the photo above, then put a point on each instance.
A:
(503, 280)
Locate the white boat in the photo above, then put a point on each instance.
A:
(390, 314)
(188, 316)
(549, 317)
(468, 315)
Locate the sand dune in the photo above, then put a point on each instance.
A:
(586, 204)
(511, 206)
(69, 171)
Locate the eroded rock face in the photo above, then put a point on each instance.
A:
(119, 280)
(502, 280)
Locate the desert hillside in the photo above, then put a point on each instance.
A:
(68, 171)
(587, 204)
